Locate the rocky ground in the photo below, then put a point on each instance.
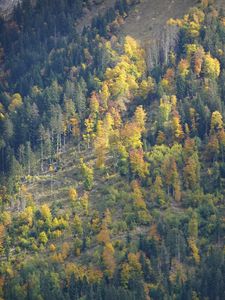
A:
(6, 7)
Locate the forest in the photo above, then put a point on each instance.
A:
(112, 173)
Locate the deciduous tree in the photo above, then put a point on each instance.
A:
(88, 175)
(138, 165)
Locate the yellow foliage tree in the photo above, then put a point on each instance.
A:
(198, 60)
(191, 172)
(165, 109)
(84, 200)
(138, 195)
(134, 51)
(108, 259)
(72, 194)
(52, 248)
(78, 224)
(45, 212)
(133, 260)
(88, 174)
(130, 268)
(43, 238)
(138, 165)
(122, 80)
(157, 191)
(172, 178)
(89, 131)
(161, 138)
(211, 66)
(65, 250)
(216, 122)
(177, 128)
(2, 235)
(131, 135)
(94, 104)
(103, 236)
(191, 22)
(140, 117)
(194, 249)
(107, 217)
(183, 68)
(125, 274)
(146, 87)
(105, 95)
(16, 102)
(27, 215)
(6, 218)
(75, 129)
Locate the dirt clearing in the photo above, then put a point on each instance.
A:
(148, 19)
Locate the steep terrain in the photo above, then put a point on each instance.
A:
(147, 21)
(6, 6)
(112, 140)
(94, 11)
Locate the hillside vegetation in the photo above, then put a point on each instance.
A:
(112, 161)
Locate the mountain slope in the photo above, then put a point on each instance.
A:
(6, 6)
(148, 20)
(112, 158)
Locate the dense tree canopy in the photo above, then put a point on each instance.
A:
(111, 174)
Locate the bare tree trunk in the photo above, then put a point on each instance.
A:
(157, 50)
(64, 142)
(42, 157)
(60, 142)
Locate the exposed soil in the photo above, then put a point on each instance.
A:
(148, 19)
